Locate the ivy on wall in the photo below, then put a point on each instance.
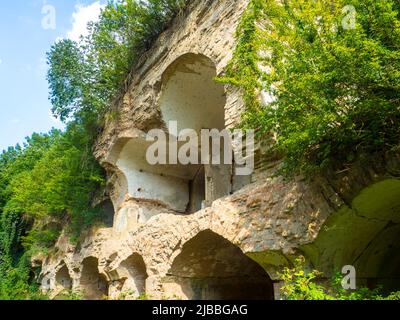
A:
(333, 70)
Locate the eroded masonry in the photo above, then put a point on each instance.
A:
(200, 231)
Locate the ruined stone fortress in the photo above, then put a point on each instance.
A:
(200, 231)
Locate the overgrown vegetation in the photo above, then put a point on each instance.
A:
(303, 284)
(70, 295)
(49, 184)
(84, 77)
(334, 89)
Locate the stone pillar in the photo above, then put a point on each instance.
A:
(218, 182)
(115, 289)
(154, 288)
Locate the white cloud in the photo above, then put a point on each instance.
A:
(81, 17)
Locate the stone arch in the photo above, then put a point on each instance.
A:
(63, 278)
(45, 282)
(209, 267)
(93, 284)
(130, 277)
(365, 234)
(117, 183)
(190, 95)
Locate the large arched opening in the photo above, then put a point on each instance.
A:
(63, 279)
(194, 100)
(365, 235)
(93, 284)
(190, 95)
(212, 268)
(132, 276)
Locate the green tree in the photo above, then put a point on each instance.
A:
(84, 77)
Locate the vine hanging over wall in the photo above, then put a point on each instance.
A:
(333, 70)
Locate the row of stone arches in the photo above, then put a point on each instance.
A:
(208, 267)
(92, 284)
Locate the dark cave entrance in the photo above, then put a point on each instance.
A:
(93, 284)
(63, 279)
(133, 274)
(212, 268)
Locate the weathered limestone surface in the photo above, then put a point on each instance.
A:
(272, 215)
(336, 220)
(208, 29)
(269, 221)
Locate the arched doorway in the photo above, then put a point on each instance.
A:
(93, 284)
(107, 213)
(365, 235)
(212, 268)
(194, 100)
(132, 274)
(190, 95)
(63, 279)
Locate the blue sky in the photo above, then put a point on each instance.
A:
(24, 105)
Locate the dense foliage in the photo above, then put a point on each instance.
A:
(46, 182)
(85, 76)
(332, 74)
(49, 184)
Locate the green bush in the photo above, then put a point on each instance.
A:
(15, 281)
(84, 77)
(303, 284)
(335, 90)
(70, 295)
